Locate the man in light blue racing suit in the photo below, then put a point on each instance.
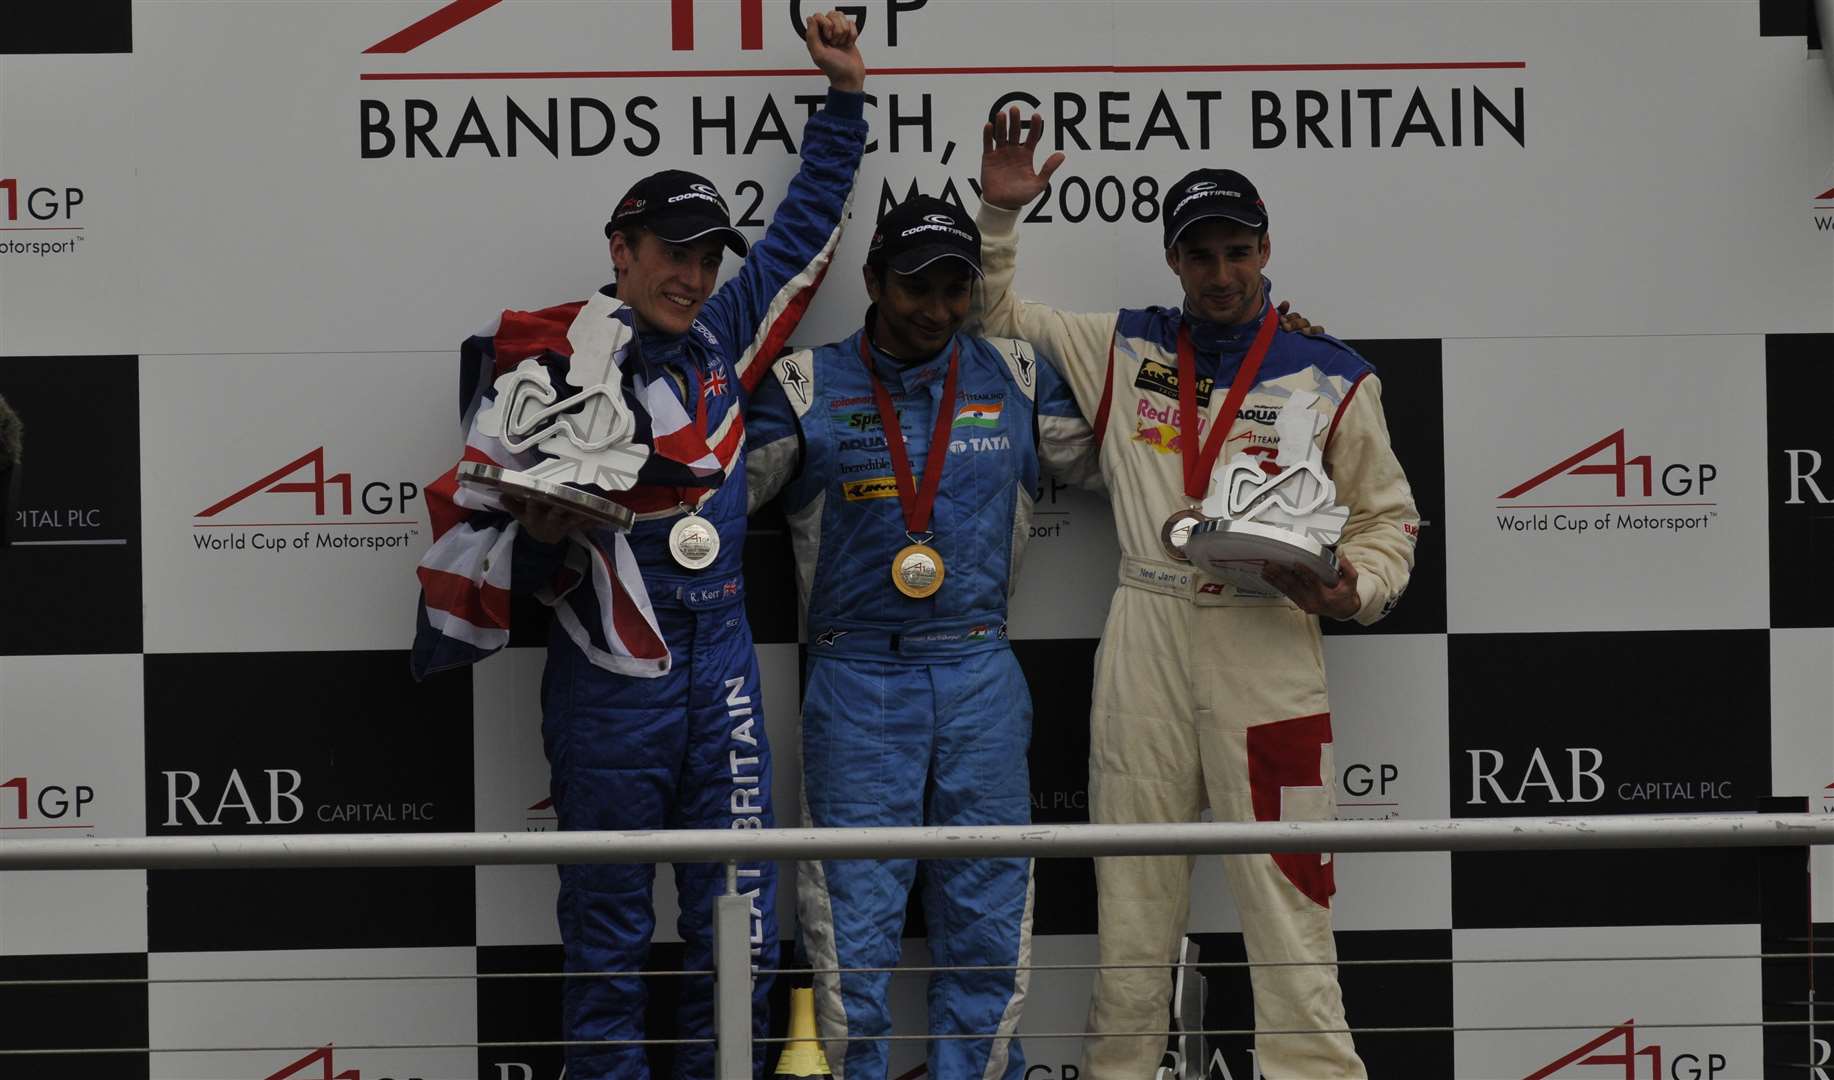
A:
(652, 710)
(907, 457)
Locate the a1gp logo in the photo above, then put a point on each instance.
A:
(308, 475)
(751, 20)
(1609, 457)
(44, 806)
(1362, 779)
(681, 22)
(45, 204)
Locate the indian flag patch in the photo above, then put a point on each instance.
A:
(984, 414)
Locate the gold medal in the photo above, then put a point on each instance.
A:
(917, 568)
(1177, 530)
(694, 542)
(917, 571)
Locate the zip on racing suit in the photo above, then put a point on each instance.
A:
(1206, 694)
(686, 749)
(915, 712)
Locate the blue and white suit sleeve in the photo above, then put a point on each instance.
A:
(773, 438)
(756, 311)
(1066, 443)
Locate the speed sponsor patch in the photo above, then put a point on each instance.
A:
(872, 487)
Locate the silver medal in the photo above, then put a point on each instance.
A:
(694, 542)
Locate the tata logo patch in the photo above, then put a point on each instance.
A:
(1162, 379)
(873, 487)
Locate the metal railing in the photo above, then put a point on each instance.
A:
(731, 917)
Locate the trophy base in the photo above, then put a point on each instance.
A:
(1237, 550)
(519, 485)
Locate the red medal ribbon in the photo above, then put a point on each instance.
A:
(700, 428)
(1197, 471)
(917, 504)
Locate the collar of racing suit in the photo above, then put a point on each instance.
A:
(658, 354)
(1216, 342)
(899, 375)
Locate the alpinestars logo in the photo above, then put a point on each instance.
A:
(1638, 1062)
(1616, 506)
(795, 381)
(336, 502)
(1023, 362)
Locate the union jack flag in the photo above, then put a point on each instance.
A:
(598, 595)
(716, 384)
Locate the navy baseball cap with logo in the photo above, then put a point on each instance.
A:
(677, 206)
(1211, 193)
(919, 231)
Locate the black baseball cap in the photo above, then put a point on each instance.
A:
(677, 206)
(921, 230)
(1211, 193)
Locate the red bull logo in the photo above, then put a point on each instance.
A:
(1161, 437)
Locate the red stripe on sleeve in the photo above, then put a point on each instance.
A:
(731, 440)
(1341, 406)
(1101, 411)
(780, 331)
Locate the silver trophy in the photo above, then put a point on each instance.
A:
(577, 446)
(1287, 515)
(1190, 994)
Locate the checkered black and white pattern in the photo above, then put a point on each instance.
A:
(1605, 342)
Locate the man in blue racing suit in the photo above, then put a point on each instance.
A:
(675, 739)
(907, 457)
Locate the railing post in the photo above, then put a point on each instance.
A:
(732, 979)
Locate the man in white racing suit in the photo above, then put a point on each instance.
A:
(1206, 693)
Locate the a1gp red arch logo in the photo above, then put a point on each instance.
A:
(40, 202)
(681, 21)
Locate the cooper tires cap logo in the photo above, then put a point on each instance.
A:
(939, 219)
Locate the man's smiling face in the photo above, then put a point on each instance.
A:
(666, 283)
